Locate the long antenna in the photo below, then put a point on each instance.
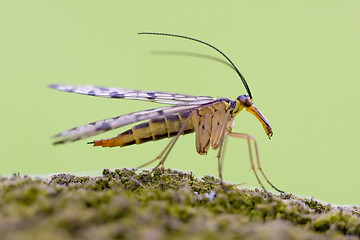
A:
(196, 40)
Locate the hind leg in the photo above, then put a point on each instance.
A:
(165, 152)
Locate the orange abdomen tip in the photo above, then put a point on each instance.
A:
(111, 142)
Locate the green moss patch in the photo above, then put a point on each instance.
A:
(167, 204)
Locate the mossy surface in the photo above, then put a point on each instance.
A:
(167, 204)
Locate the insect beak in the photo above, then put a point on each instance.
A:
(266, 125)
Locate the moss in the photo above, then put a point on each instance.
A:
(166, 204)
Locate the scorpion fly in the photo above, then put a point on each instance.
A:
(210, 118)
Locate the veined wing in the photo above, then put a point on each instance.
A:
(105, 125)
(122, 93)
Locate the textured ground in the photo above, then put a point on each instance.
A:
(167, 205)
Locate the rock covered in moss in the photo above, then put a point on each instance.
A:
(165, 204)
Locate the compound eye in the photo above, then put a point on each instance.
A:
(245, 100)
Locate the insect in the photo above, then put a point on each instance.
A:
(211, 119)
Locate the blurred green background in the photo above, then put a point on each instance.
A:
(301, 60)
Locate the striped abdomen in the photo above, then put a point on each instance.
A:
(155, 129)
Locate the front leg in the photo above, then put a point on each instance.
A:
(251, 138)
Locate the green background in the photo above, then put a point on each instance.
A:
(301, 60)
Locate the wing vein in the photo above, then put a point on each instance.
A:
(123, 93)
(105, 125)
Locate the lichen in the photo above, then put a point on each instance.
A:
(163, 204)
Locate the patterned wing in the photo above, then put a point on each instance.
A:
(105, 125)
(122, 93)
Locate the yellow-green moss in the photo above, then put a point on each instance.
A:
(167, 204)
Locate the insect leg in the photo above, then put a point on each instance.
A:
(166, 150)
(251, 138)
(168, 147)
(159, 156)
(220, 155)
(248, 137)
(172, 143)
